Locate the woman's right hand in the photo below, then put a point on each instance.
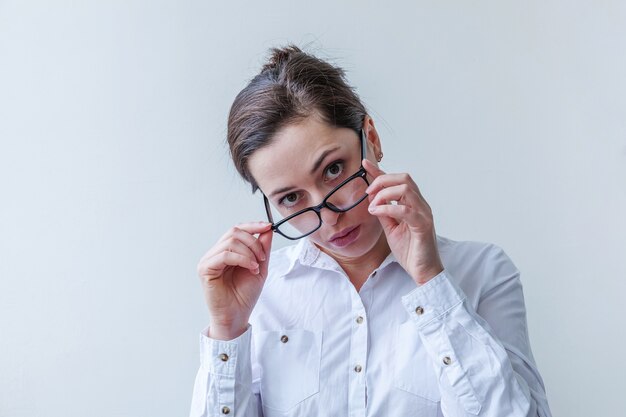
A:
(233, 272)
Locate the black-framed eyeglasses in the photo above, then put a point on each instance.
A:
(340, 199)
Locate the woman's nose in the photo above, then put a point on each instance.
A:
(328, 216)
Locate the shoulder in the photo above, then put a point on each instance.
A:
(476, 266)
(472, 252)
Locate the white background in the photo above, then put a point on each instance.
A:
(115, 179)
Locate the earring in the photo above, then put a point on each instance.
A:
(379, 157)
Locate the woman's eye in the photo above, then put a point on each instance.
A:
(289, 200)
(334, 170)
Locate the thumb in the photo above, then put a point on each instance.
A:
(265, 239)
(372, 168)
(388, 223)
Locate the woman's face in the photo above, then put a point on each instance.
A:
(303, 163)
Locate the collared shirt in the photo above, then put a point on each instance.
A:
(456, 346)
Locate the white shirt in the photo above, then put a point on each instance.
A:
(455, 346)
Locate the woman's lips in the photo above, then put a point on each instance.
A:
(345, 237)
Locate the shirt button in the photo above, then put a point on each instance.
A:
(359, 319)
(447, 360)
(419, 310)
(224, 357)
(358, 368)
(225, 410)
(284, 339)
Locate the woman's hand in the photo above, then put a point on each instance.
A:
(233, 272)
(408, 224)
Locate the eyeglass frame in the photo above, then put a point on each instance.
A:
(324, 204)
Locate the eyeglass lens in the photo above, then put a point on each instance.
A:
(342, 199)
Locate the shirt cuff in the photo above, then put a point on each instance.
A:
(432, 300)
(220, 357)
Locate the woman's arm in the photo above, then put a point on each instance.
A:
(232, 274)
(483, 358)
(223, 384)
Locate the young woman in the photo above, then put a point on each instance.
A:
(370, 312)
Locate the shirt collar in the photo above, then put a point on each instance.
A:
(306, 254)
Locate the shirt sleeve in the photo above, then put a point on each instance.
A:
(223, 384)
(484, 361)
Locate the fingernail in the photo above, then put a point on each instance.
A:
(254, 265)
(263, 258)
(371, 209)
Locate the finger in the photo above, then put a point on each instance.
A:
(250, 241)
(251, 227)
(388, 223)
(398, 212)
(371, 168)
(255, 227)
(265, 239)
(388, 180)
(234, 245)
(398, 193)
(216, 264)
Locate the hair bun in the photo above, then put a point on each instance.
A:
(279, 56)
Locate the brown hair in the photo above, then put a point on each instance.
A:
(291, 86)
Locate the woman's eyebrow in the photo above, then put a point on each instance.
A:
(282, 190)
(319, 161)
(316, 166)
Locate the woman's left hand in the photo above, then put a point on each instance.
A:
(408, 225)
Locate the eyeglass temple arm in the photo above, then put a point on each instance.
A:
(268, 211)
(363, 147)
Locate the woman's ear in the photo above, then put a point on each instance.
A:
(374, 147)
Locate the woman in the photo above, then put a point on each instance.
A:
(370, 313)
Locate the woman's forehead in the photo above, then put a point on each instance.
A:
(295, 151)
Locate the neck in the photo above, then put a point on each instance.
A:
(359, 268)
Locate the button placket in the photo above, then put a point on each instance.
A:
(358, 352)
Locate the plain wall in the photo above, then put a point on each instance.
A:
(115, 179)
